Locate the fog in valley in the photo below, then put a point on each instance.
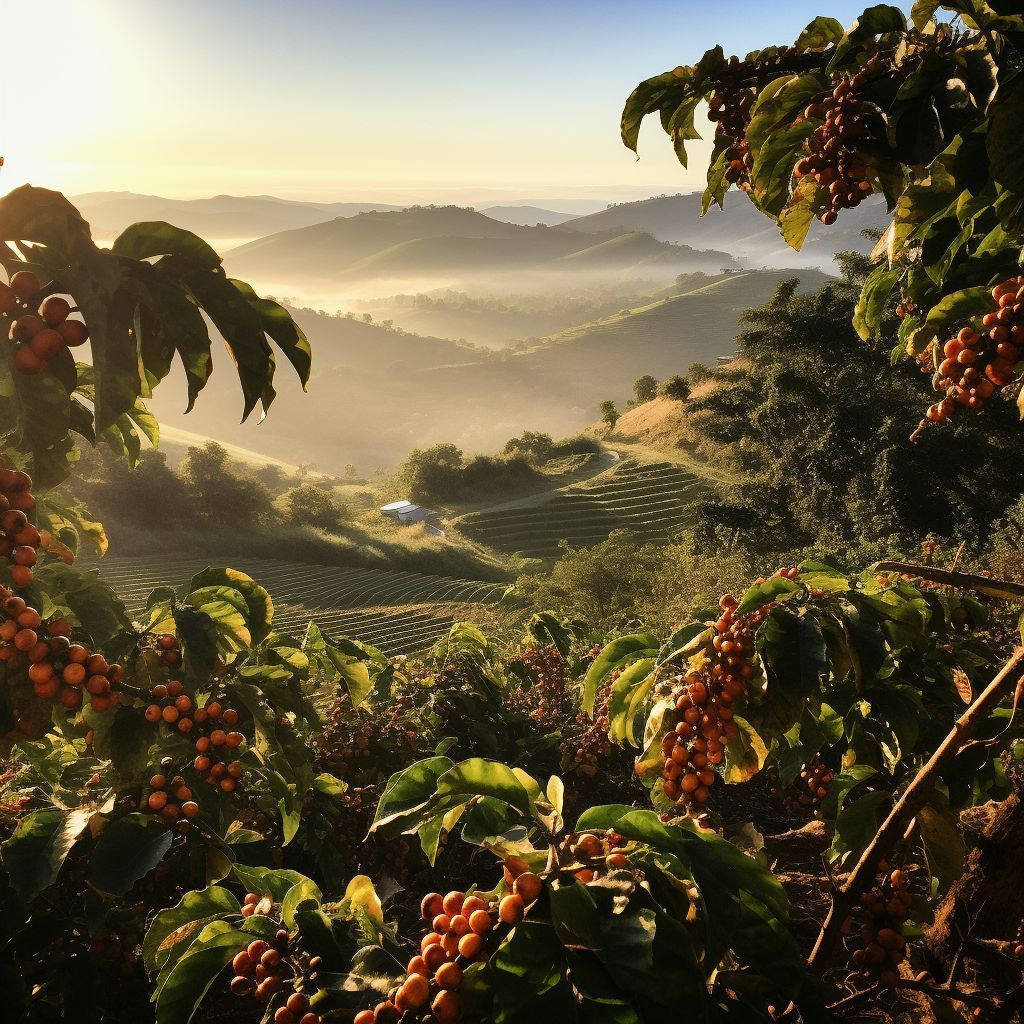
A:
(443, 323)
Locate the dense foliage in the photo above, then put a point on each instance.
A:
(813, 422)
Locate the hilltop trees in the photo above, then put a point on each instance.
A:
(677, 388)
(645, 389)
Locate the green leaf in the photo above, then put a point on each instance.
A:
(1005, 143)
(172, 930)
(877, 20)
(127, 850)
(615, 655)
(856, 826)
(156, 238)
(776, 588)
(38, 847)
(275, 883)
(951, 312)
(628, 692)
(478, 776)
(665, 90)
(302, 891)
(190, 978)
(819, 34)
(867, 318)
(407, 791)
(284, 331)
(944, 847)
(257, 599)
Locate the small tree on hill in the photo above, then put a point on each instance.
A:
(645, 389)
(677, 388)
(609, 414)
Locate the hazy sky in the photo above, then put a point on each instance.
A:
(389, 100)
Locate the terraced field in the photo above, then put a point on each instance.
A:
(649, 499)
(399, 612)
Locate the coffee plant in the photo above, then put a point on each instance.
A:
(201, 815)
(924, 114)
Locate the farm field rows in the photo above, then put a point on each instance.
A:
(399, 612)
(649, 499)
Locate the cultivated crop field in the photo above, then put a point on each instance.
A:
(649, 499)
(395, 611)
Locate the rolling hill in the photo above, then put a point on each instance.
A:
(526, 215)
(234, 218)
(739, 228)
(399, 612)
(425, 242)
(376, 393)
(650, 499)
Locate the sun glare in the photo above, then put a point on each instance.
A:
(69, 96)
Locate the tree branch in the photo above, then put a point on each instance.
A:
(906, 807)
(1003, 589)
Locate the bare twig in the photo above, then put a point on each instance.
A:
(941, 992)
(906, 807)
(856, 999)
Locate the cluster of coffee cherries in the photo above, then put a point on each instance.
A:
(169, 649)
(463, 928)
(19, 539)
(263, 969)
(170, 798)
(38, 337)
(366, 750)
(548, 701)
(585, 751)
(703, 704)
(729, 107)
(211, 725)
(58, 669)
(885, 908)
(834, 151)
(1018, 942)
(979, 363)
(590, 855)
(809, 789)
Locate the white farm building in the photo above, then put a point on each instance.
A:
(407, 512)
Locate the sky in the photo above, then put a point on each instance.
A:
(381, 100)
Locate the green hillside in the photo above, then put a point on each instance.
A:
(650, 500)
(396, 611)
(662, 338)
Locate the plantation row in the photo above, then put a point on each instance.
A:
(393, 611)
(649, 499)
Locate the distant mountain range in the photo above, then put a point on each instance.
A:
(430, 241)
(526, 215)
(739, 229)
(375, 393)
(220, 217)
